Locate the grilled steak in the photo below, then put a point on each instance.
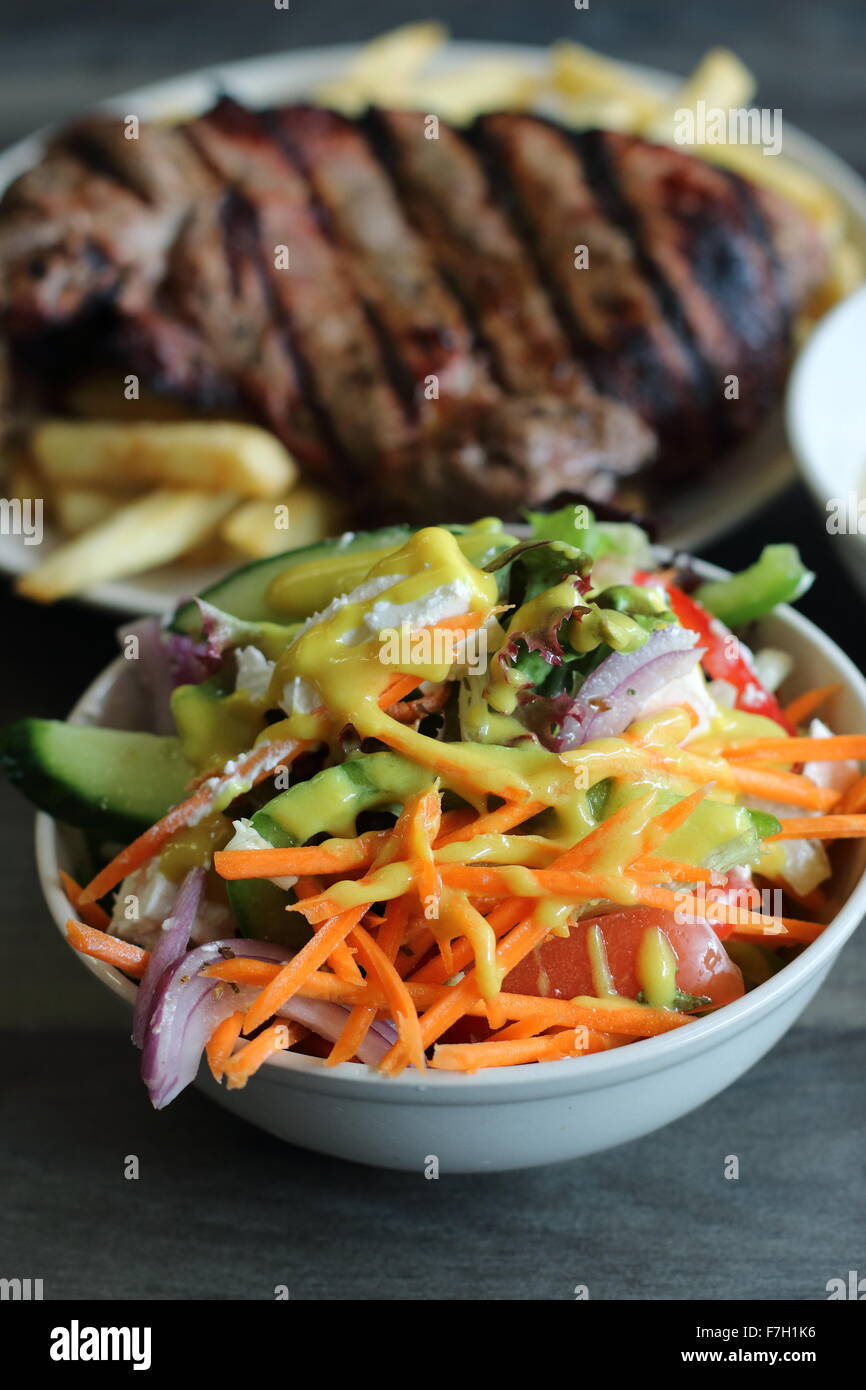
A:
(406, 305)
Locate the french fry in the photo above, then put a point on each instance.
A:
(384, 70)
(304, 516)
(213, 456)
(494, 84)
(581, 76)
(79, 508)
(148, 532)
(599, 113)
(720, 80)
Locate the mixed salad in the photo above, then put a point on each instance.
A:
(449, 798)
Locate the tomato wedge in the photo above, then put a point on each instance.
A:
(562, 967)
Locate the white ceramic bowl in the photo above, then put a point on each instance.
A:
(826, 419)
(521, 1116)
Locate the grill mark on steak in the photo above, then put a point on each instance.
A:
(710, 270)
(421, 327)
(328, 326)
(275, 381)
(449, 201)
(613, 318)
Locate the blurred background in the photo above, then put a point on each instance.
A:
(56, 57)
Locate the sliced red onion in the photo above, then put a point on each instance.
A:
(189, 1006)
(327, 1020)
(170, 947)
(153, 670)
(613, 695)
(189, 660)
(179, 1027)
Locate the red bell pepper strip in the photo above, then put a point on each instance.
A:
(723, 659)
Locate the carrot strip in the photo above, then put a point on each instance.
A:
(341, 960)
(835, 748)
(840, 827)
(804, 706)
(521, 1028)
(455, 820)
(390, 881)
(649, 869)
(293, 974)
(854, 799)
(416, 830)
(469, 1057)
(242, 1065)
(247, 772)
(221, 1043)
(90, 941)
(330, 857)
(788, 787)
(92, 913)
(497, 822)
(400, 1003)
(661, 827)
(396, 688)
(352, 1036)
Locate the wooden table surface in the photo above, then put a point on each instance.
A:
(221, 1211)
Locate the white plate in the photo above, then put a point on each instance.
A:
(826, 415)
(748, 480)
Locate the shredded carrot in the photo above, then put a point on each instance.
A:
(222, 1041)
(521, 1028)
(248, 771)
(354, 1031)
(497, 822)
(469, 1057)
(330, 857)
(341, 960)
(790, 788)
(805, 705)
(400, 1003)
(416, 831)
(293, 974)
(243, 1064)
(650, 868)
(397, 688)
(840, 827)
(661, 827)
(854, 799)
(835, 748)
(91, 913)
(380, 885)
(90, 941)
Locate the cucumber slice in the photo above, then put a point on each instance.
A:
(243, 593)
(328, 804)
(107, 780)
(316, 573)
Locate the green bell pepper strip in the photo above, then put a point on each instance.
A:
(778, 576)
